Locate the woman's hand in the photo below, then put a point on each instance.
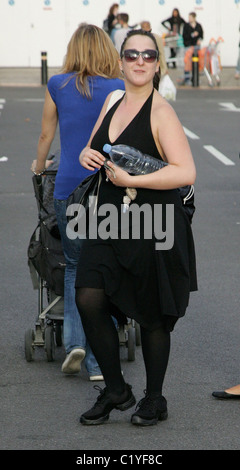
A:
(39, 167)
(118, 176)
(91, 159)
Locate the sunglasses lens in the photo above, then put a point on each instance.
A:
(131, 55)
(149, 56)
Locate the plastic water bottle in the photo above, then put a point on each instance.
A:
(132, 160)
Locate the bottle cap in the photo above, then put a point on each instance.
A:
(107, 148)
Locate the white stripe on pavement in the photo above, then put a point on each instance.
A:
(190, 134)
(220, 156)
(230, 107)
(31, 100)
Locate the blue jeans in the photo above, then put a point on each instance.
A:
(73, 333)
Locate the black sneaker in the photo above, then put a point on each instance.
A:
(151, 409)
(105, 403)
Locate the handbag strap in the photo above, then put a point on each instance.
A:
(98, 186)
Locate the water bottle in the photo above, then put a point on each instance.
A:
(132, 160)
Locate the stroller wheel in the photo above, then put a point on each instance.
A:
(29, 344)
(58, 334)
(49, 343)
(138, 334)
(131, 344)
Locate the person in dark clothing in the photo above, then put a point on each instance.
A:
(192, 32)
(112, 17)
(148, 284)
(192, 37)
(174, 24)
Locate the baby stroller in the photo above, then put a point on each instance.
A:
(129, 336)
(47, 264)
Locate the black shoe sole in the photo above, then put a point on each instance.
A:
(225, 396)
(122, 407)
(148, 422)
(101, 420)
(127, 404)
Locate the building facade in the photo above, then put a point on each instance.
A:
(29, 27)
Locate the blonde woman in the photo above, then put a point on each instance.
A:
(148, 283)
(74, 99)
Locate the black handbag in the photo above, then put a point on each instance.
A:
(187, 197)
(80, 197)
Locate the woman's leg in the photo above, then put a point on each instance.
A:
(102, 335)
(153, 407)
(73, 332)
(156, 349)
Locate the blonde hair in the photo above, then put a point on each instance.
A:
(90, 53)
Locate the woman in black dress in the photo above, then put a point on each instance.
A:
(175, 25)
(135, 276)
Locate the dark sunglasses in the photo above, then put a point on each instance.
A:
(149, 55)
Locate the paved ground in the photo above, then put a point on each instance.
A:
(32, 77)
(40, 407)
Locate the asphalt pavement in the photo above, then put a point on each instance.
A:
(32, 76)
(40, 407)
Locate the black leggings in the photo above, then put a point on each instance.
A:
(102, 335)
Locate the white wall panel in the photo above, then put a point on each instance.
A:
(31, 26)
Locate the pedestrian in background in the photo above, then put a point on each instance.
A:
(174, 24)
(237, 72)
(121, 32)
(232, 393)
(192, 37)
(74, 98)
(111, 21)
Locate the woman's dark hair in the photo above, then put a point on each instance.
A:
(142, 32)
(115, 5)
(177, 10)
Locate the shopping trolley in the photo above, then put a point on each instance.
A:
(174, 41)
(210, 57)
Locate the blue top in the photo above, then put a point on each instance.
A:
(77, 116)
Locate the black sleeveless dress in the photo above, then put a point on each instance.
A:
(148, 284)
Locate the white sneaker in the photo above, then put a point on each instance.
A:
(72, 363)
(96, 377)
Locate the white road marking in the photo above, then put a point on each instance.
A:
(190, 134)
(31, 100)
(220, 156)
(2, 102)
(230, 107)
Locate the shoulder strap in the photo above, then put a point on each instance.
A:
(116, 95)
